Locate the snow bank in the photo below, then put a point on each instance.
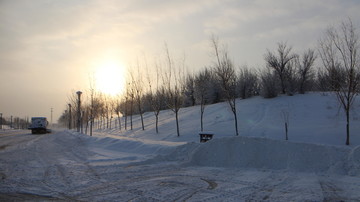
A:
(111, 149)
(264, 153)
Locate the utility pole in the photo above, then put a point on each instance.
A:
(79, 111)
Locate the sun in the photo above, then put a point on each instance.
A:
(110, 78)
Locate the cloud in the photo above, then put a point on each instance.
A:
(66, 37)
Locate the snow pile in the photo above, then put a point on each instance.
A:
(111, 149)
(264, 153)
(228, 152)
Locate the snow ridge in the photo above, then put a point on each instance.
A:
(262, 153)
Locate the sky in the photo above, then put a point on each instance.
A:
(50, 49)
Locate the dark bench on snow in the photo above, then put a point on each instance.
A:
(205, 136)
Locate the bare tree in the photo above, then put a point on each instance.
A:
(305, 71)
(107, 109)
(203, 91)
(291, 78)
(174, 80)
(127, 106)
(117, 110)
(225, 71)
(339, 53)
(137, 89)
(189, 91)
(156, 95)
(247, 83)
(124, 107)
(269, 83)
(281, 63)
(92, 112)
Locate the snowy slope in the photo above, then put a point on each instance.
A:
(316, 137)
(314, 118)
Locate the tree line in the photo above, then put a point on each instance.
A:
(171, 86)
(14, 122)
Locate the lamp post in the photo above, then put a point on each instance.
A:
(79, 111)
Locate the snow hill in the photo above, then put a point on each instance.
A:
(316, 137)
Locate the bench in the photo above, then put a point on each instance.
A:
(205, 136)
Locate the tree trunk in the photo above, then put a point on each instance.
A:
(232, 104)
(283, 87)
(177, 124)
(347, 126)
(201, 117)
(86, 127)
(156, 124)
(119, 119)
(141, 114)
(91, 126)
(126, 122)
(142, 121)
(131, 113)
(131, 122)
(236, 125)
(107, 122)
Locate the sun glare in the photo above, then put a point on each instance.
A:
(110, 78)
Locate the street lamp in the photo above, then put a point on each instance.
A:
(78, 111)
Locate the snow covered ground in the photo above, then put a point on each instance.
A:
(137, 165)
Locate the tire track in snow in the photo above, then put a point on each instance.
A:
(330, 191)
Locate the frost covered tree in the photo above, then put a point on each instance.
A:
(339, 52)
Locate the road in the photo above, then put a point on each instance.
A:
(56, 167)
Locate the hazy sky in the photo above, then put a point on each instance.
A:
(49, 48)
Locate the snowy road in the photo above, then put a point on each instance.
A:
(57, 167)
